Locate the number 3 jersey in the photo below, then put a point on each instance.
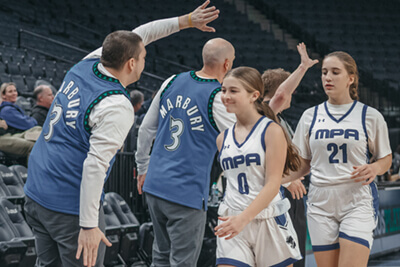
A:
(184, 147)
(56, 161)
(337, 137)
(244, 166)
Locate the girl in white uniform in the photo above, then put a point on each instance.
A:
(344, 144)
(254, 228)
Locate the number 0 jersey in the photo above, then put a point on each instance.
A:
(337, 137)
(184, 148)
(244, 166)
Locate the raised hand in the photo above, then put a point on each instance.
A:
(306, 61)
(203, 15)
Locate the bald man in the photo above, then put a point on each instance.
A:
(44, 97)
(185, 118)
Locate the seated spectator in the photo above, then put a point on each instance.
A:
(20, 131)
(137, 99)
(44, 97)
(14, 116)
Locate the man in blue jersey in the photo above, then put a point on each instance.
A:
(86, 125)
(186, 115)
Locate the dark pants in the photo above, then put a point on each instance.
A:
(297, 214)
(178, 233)
(56, 236)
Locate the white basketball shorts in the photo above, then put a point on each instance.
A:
(341, 211)
(263, 242)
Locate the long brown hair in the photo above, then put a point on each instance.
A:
(251, 81)
(351, 68)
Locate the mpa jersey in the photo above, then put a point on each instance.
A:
(56, 161)
(184, 148)
(244, 166)
(337, 137)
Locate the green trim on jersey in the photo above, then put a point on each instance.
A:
(94, 103)
(197, 78)
(101, 75)
(209, 108)
(168, 85)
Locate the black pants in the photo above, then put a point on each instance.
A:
(297, 214)
(56, 236)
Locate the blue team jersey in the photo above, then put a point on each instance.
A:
(184, 148)
(56, 161)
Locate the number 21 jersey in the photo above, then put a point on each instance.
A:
(337, 137)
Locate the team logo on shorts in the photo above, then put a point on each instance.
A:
(291, 241)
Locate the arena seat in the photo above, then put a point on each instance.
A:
(20, 84)
(4, 192)
(113, 232)
(129, 227)
(12, 182)
(146, 238)
(4, 77)
(19, 235)
(25, 103)
(20, 171)
(30, 82)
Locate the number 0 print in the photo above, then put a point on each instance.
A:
(242, 182)
(176, 127)
(57, 110)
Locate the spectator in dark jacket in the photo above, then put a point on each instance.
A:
(44, 97)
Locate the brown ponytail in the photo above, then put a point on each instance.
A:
(251, 81)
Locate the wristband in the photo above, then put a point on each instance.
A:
(190, 20)
(87, 228)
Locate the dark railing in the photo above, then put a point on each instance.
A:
(21, 44)
(122, 180)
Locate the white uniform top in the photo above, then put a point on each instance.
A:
(337, 137)
(244, 166)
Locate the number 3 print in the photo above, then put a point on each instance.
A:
(176, 127)
(57, 110)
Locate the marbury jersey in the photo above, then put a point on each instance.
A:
(244, 166)
(184, 148)
(337, 140)
(56, 161)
